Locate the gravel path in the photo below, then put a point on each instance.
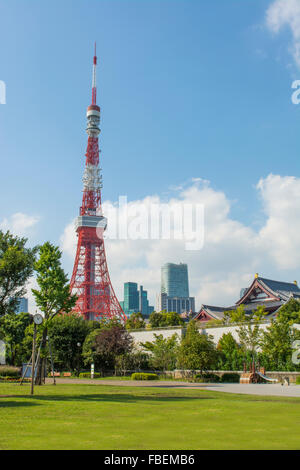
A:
(248, 389)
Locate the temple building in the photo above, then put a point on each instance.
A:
(262, 292)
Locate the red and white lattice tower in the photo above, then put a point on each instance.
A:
(90, 279)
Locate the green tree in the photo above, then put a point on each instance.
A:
(163, 352)
(250, 332)
(196, 351)
(276, 344)
(89, 353)
(53, 296)
(290, 312)
(230, 353)
(13, 327)
(135, 321)
(249, 329)
(16, 267)
(163, 318)
(111, 343)
(67, 334)
(155, 319)
(235, 316)
(103, 346)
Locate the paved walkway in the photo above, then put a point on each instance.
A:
(248, 389)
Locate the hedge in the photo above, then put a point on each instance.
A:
(207, 378)
(9, 371)
(230, 377)
(87, 375)
(144, 376)
(298, 380)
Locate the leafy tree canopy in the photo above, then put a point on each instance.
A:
(161, 319)
(290, 312)
(54, 295)
(135, 321)
(163, 352)
(13, 328)
(197, 350)
(16, 267)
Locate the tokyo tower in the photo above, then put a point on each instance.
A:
(90, 279)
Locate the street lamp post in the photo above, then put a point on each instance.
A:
(78, 357)
(37, 320)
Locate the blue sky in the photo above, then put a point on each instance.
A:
(188, 88)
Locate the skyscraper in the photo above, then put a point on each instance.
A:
(174, 294)
(135, 300)
(174, 280)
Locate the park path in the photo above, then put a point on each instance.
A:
(248, 389)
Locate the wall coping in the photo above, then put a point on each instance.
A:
(200, 327)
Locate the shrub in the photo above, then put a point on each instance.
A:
(87, 375)
(9, 371)
(14, 380)
(298, 380)
(230, 377)
(207, 378)
(144, 376)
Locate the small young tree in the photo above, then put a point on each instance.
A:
(16, 267)
(53, 296)
(196, 351)
(229, 351)
(163, 352)
(250, 332)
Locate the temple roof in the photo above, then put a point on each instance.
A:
(274, 295)
(283, 289)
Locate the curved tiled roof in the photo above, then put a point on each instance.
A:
(283, 289)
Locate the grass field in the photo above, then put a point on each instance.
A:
(111, 417)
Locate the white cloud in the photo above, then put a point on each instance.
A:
(19, 223)
(232, 251)
(286, 13)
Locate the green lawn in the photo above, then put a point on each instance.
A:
(111, 417)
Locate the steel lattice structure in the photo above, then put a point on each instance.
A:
(90, 279)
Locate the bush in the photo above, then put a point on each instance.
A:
(207, 378)
(144, 376)
(9, 371)
(87, 375)
(298, 380)
(230, 377)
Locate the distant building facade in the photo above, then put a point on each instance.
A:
(135, 300)
(174, 295)
(22, 305)
(174, 304)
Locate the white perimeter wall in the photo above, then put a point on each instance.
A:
(141, 336)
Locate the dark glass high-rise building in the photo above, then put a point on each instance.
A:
(174, 280)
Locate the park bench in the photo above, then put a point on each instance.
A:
(56, 374)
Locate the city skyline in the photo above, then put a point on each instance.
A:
(236, 130)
